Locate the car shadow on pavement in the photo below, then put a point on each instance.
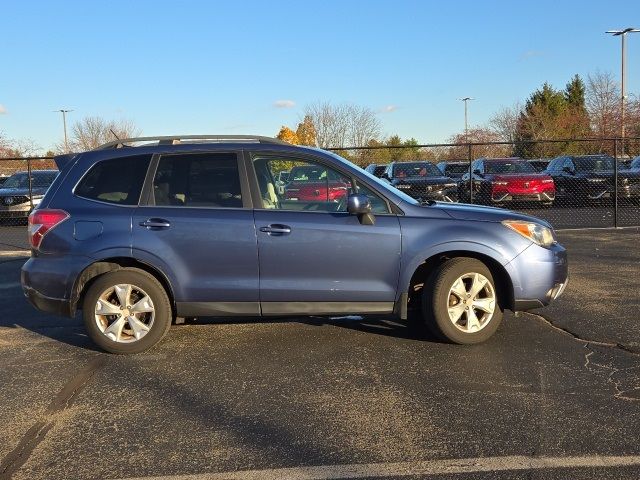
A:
(377, 325)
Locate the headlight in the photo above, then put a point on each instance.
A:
(499, 183)
(596, 180)
(535, 232)
(403, 187)
(450, 185)
(547, 180)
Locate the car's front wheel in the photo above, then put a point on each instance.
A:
(126, 311)
(460, 302)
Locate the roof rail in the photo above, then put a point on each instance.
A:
(176, 139)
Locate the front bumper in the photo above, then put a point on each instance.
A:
(15, 211)
(523, 197)
(542, 276)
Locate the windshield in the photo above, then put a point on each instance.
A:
(38, 180)
(593, 164)
(416, 169)
(509, 166)
(381, 184)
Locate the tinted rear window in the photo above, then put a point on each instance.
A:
(198, 180)
(118, 180)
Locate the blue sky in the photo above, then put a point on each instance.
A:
(219, 67)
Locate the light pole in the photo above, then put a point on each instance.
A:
(466, 125)
(622, 34)
(64, 125)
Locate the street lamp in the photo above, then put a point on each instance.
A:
(64, 125)
(466, 126)
(622, 34)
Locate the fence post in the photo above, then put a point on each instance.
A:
(615, 183)
(470, 174)
(30, 183)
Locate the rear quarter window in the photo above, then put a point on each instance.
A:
(118, 180)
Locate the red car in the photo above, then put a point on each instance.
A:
(497, 181)
(313, 183)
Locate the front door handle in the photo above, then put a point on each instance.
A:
(155, 223)
(276, 229)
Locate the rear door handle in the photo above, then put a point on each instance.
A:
(155, 223)
(276, 229)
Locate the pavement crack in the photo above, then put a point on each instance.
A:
(36, 434)
(578, 338)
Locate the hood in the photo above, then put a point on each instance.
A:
(423, 180)
(464, 211)
(6, 192)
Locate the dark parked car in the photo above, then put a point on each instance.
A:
(422, 180)
(453, 170)
(136, 236)
(376, 169)
(14, 193)
(499, 181)
(586, 178)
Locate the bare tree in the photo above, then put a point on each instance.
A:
(91, 132)
(477, 135)
(603, 104)
(505, 122)
(343, 124)
(364, 125)
(17, 148)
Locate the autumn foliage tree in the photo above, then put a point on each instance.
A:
(306, 132)
(287, 135)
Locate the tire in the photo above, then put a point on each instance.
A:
(115, 332)
(437, 298)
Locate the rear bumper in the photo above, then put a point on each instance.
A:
(57, 306)
(48, 281)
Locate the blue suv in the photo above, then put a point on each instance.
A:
(142, 231)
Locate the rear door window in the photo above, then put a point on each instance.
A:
(198, 180)
(118, 180)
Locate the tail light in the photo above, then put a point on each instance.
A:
(42, 221)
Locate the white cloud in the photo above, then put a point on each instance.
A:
(284, 104)
(389, 108)
(3, 110)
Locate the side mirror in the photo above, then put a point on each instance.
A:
(358, 204)
(568, 170)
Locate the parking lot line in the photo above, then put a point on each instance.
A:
(428, 467)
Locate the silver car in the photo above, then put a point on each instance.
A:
(17, 197)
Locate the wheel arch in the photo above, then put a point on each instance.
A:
(100, 267)
(421, 272)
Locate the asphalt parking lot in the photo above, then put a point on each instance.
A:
(551, 396)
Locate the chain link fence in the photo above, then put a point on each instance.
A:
(572, 183)
(23, 183)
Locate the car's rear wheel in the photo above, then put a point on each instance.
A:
(126, 311)
(460, 302)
